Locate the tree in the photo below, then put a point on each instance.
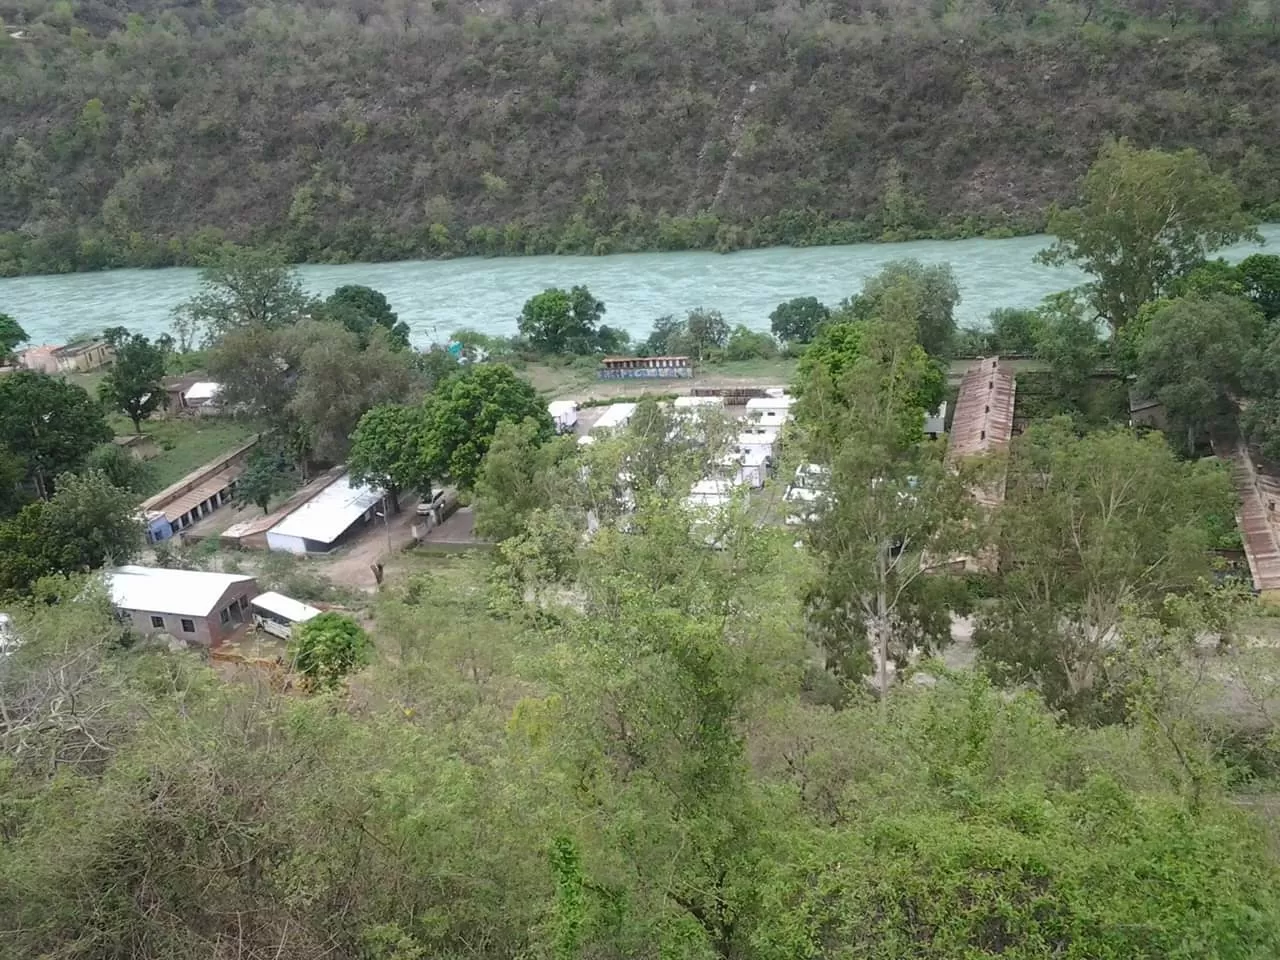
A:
(934, 292)
(1194, 357)
(328, 647)
(891, 507)
(133, 384)
(265, 475)
(258, 368)
(747, 344)
(89, 522)
(557, 322)
(11, 334)
(838, 367)
(1093, 529)
(463, 414)
(1146, 217)
(49, 423)
(121, 467)
(1067, 341)
(666, 338)
(245, 287)
(706, 330)
(1260, 276)
(360, 309)
(522, 472)
(338, 382)
(1014, 330)
(386, 451)
(798, 320)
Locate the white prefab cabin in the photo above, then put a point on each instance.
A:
(615, 417)
(770, 410)
(564, 413)
(323, 521)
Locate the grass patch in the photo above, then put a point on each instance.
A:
(186, 443)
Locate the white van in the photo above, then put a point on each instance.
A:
(276, 614)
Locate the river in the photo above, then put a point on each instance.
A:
(439, 296)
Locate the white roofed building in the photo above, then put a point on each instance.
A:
(193, 605)
(615, 417)
(324, 521)
(276, 613)
(770, 410)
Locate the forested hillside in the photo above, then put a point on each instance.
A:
(393, 128)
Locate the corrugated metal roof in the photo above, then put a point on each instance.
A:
(183, 593)
(203, 390)
(287, 607)
(1259, 537)
(615, 415)
(330, 513)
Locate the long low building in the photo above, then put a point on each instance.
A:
(193, 605)
(196, 495)
(326, 520)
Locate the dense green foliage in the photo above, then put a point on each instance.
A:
(797, 320)
(327, 648)
(48, 424)
(558, 321)
(11, 334)
(144, 132)
(132, 385)
(89, 522)
(360, 309)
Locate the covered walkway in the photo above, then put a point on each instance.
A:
(1259, 493)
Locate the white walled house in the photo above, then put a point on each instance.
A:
(324, 521)
(565, 414)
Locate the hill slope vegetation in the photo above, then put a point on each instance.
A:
(144, 131)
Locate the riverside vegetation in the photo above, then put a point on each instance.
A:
(145, 132)
(636, 744)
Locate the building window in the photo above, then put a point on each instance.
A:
(225, 616)
(157, 622)
(188, 626)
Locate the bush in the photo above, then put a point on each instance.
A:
(747, 344)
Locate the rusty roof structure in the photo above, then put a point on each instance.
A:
(983, 421)
(1259, 493)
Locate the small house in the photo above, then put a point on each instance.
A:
(935, 423)
(769, 410)
(193, 605)
(615, 417)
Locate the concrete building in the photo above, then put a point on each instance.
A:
(195, 496)
(324, 521)
(564, 413)
(193, 605)
(770, 410)
(935, 424)
(79, 357)
(615, 417)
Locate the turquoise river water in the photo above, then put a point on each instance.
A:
(437, 297)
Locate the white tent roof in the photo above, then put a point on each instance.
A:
(184, 593)
(286, 607)
(328, 515)
(615, 415)
(204, 390)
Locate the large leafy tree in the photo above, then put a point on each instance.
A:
(121, 467)
(838, 373)
(522, 472)
(1014, 330)
(705, 331)
(1066, 339)
(258, 368)
(1194, 357)
(461, 417)
(797, 320)
(934, 294)
(339, 382)
(1093, 529)
(1145, 218)
(133, 384)
(565, 321)
(360, 309)
(891, 508)
(89, 522)
(245, 287)
(387, 451)
(49, 423)
(11, 334)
